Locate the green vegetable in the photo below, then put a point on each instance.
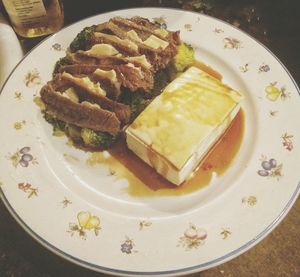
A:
(161, 79)
(60, 63)
(136, 100)
(88, 136)
(184, 57)
(82, 39)
(73, 132)
(58, 125)
(96, 138)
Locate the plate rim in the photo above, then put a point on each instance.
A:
(192, 269)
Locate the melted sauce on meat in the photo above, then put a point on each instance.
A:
(143, 181)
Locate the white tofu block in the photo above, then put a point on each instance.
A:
(175, 132)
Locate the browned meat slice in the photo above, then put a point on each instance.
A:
(80, 114)
(59, 84)
(86, 93)
(141, 21)
(124, 46)
(159, 57)
(127, 25)
(79, 69)
(83, 58)
(80, 58)
(112, 87)
(133, 78)
(172, 37)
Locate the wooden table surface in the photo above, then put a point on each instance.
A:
(277, 25)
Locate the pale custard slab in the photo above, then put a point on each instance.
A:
(181, 125)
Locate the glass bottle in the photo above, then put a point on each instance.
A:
(34, 18)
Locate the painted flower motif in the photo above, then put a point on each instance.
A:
(18, 95)
(86, 222)
(232, 43)
(273, 92)
(192, 237)
(270, 168)
(263, 68)
(244, 68)
(188, 27)
(29, 189)
(22, 157)
(57, 47)
(250, 200)
(32, 78)
(225, 233)
(218, 31)
(128, 246)
(144, 223)
(66, 202)
(273, 113)
(19, 124)
(287, 141)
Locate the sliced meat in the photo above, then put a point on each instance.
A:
(159, 57)
(141, 21)
(124, 46)
(134, 78)
(79, 114)
(78, 69)
(86, 93)
(111, 85)
(143, 31)
(80, 58)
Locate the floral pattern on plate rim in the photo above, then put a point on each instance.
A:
(192, 238)
(85, 222)
(22, 157)
(29, 189)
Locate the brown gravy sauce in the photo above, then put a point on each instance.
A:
(143, 181)
(209, 70)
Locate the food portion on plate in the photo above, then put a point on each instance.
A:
(180, 126)
(110, 73)
(130, 76)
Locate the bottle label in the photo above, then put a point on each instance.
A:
(25, 13)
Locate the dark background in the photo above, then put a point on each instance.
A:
(276, 24)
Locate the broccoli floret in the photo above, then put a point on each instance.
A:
(161, 79)
(184, 57)
(58, 125)
(135, 100)
(96, 138)
(60, 63)
(138, 104)
(81, 40)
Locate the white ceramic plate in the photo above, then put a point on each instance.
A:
(84, 213)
